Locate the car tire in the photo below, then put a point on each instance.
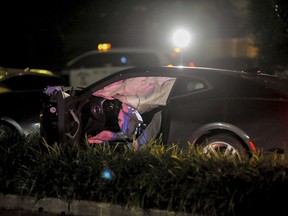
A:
(223, 144)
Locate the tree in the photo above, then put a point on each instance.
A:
(268, 24)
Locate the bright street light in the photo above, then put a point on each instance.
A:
(181, 38)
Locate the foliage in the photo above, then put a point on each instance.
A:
(155, 176)
(268, 23)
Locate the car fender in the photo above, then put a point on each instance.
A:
(224, 127)
(11, 122)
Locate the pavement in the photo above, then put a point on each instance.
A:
(21, 212)
(13, 205)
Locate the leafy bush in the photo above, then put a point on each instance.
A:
(155, 176)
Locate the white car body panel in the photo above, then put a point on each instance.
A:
(82, 76)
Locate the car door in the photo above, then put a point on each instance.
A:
(186, 108)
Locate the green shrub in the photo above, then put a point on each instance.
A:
(155, 176)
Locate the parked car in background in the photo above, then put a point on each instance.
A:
(21, 91)
(232, 112)
(94, 65)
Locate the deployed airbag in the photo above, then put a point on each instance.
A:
(141, 93)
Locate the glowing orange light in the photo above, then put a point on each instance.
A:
(104, 47)
(177, 50)
(191, 64)
(252, 146)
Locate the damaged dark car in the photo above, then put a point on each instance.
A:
(234, 112)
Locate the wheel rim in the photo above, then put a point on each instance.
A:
(220, 148)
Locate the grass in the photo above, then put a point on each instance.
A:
(159, 177)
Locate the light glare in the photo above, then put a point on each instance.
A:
(181, 38)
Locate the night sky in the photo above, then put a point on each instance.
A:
(46, 34)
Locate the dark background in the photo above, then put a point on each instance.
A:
(46, 34)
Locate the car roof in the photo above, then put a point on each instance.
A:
(181, 70)
(172, 71)
(220, 79)
(177, 71)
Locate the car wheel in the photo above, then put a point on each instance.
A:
(223, 144)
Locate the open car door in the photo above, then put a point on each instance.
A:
(59, 119)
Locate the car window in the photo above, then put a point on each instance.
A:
(117, 59)
(187, 85)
